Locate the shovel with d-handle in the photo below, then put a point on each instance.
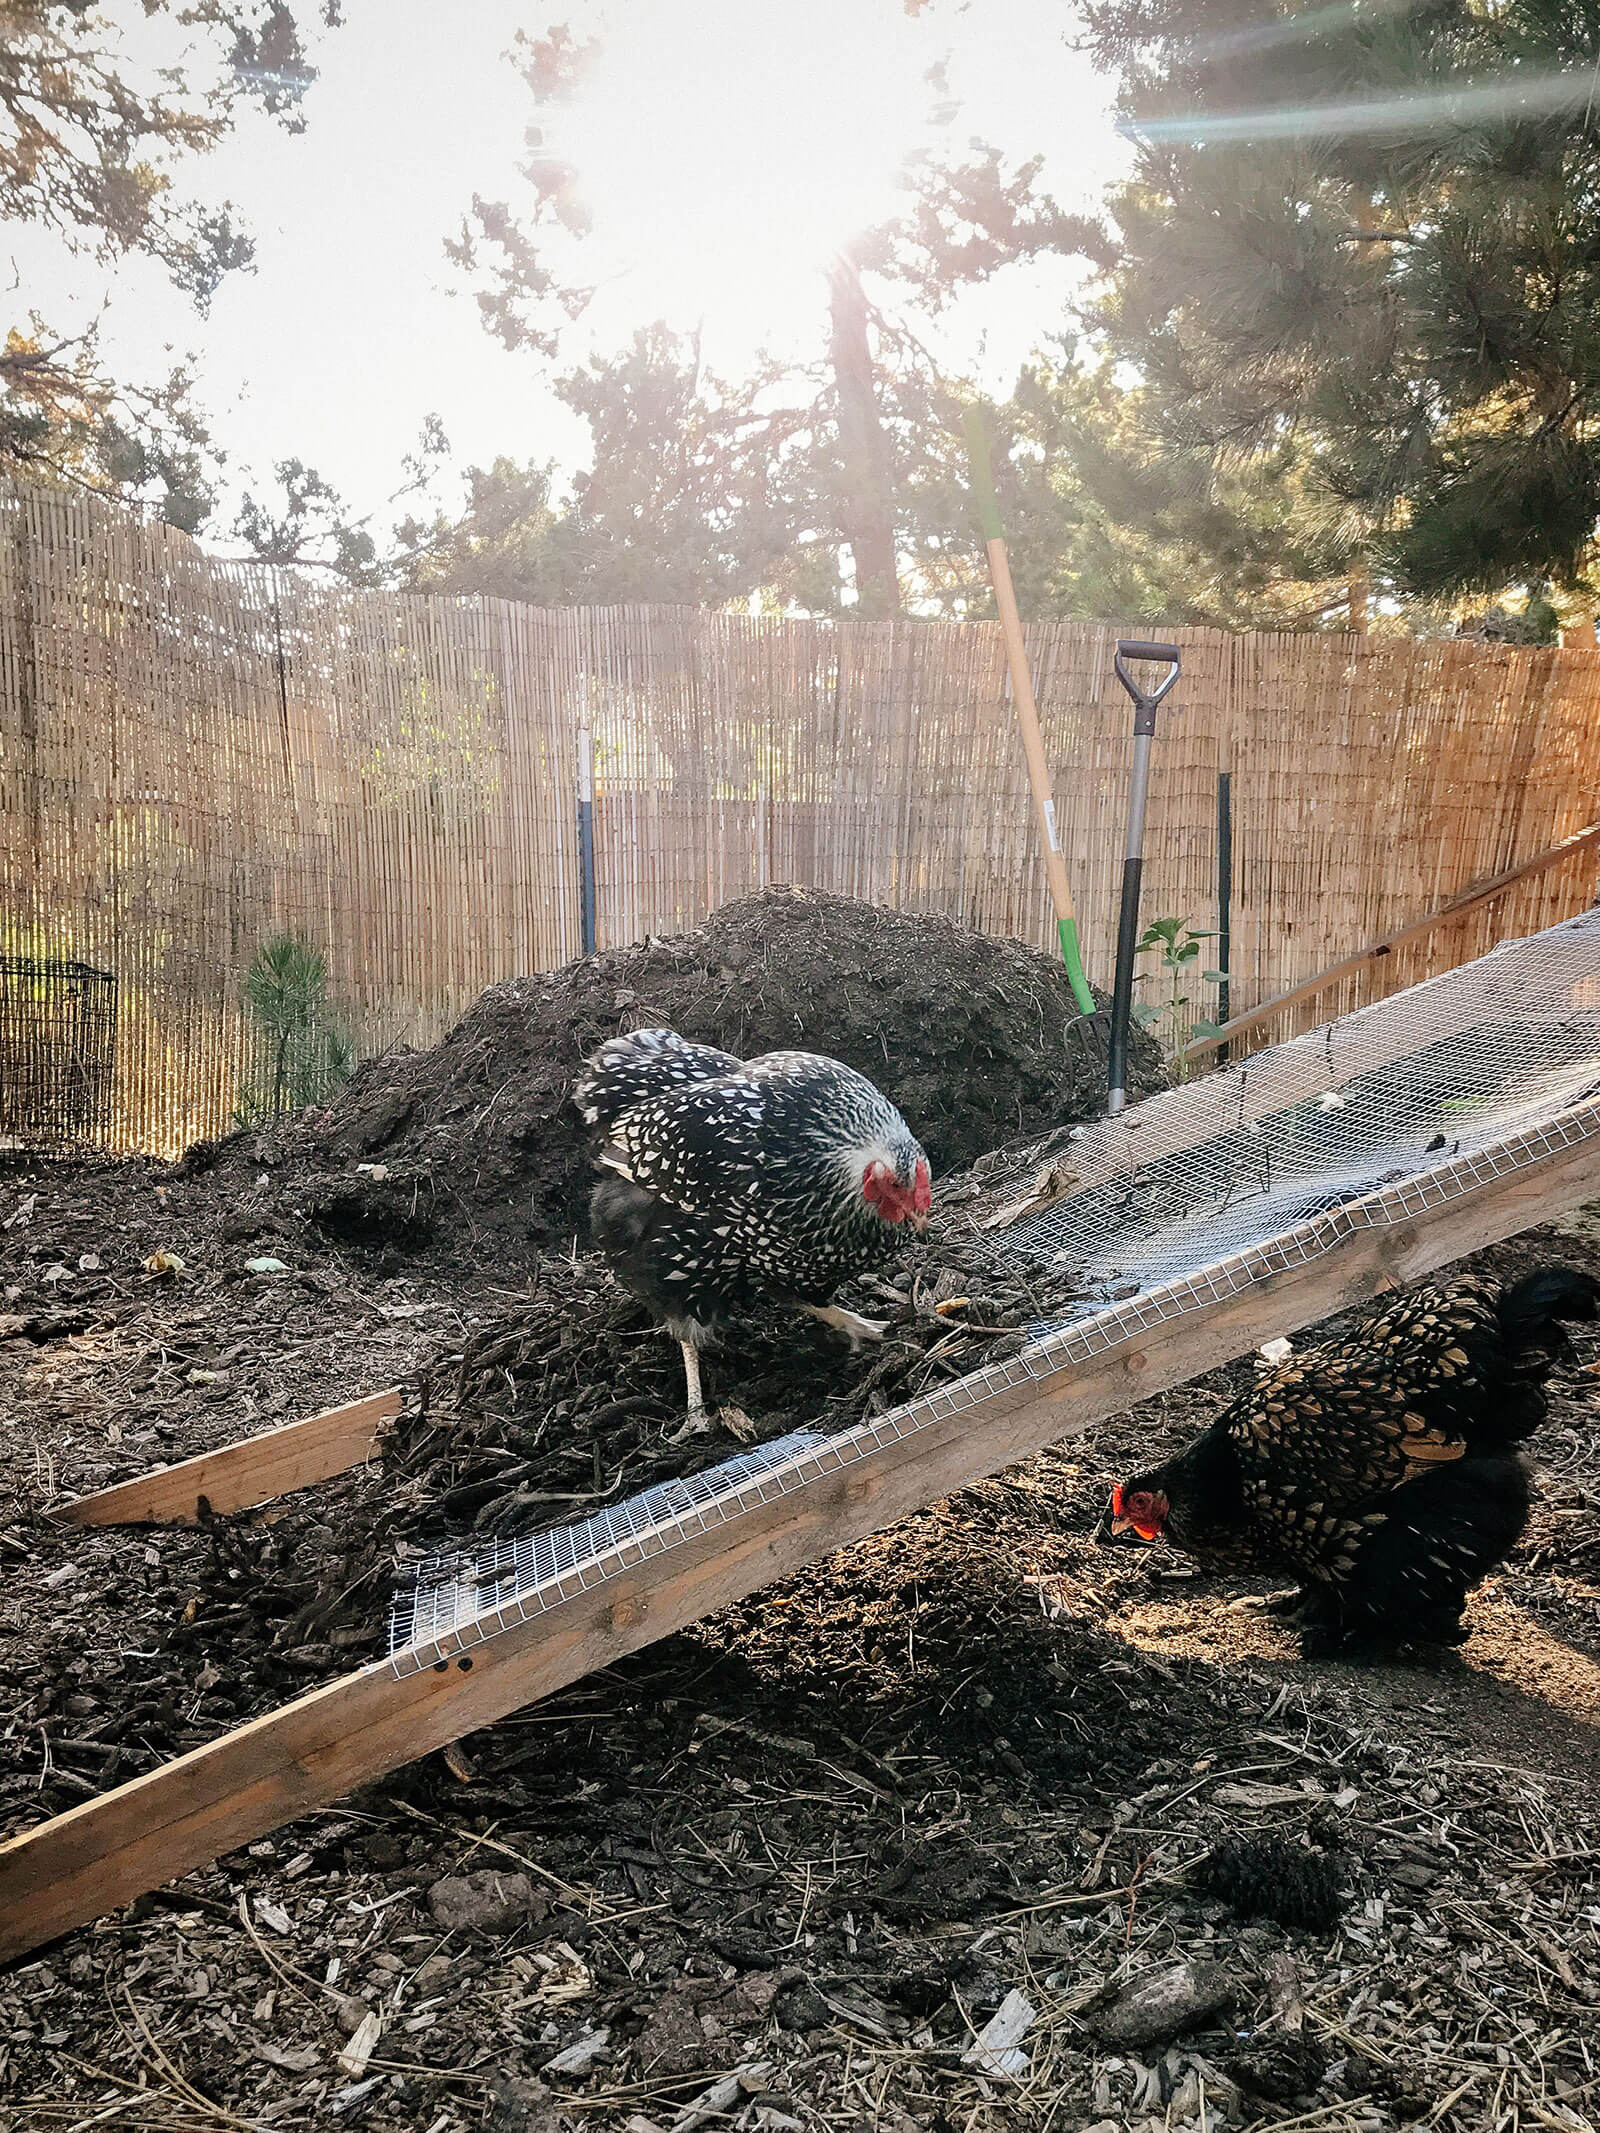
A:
(1027, 710)
(1144, 728)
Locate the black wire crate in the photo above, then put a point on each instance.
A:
(58, 1034)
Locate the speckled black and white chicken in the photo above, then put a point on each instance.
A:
(1381, 1469)
(728, 1181)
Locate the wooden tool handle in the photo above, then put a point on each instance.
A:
(1005, 599)
(1022, 696)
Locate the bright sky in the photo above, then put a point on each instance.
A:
(726, 148)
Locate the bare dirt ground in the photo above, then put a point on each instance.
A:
(976, 1826)
(784, 1869)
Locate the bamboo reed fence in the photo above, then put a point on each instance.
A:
(195, 755)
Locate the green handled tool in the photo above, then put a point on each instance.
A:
(1027, 709)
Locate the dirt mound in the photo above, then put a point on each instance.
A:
(475, 1143)
(547, 1410)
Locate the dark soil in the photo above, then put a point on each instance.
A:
(816, 1839)
(553, 1404)
(474, 1145)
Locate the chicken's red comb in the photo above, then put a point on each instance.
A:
(1116, 1500)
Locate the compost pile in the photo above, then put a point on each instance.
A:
(565, 1401)
(572, 1399)
(473, 1146)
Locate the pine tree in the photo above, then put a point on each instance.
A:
(833, 430)
(1365, 242)
(680, 503)
(285, 991)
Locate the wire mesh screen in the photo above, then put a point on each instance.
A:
(1450, 1067)
(1195, 1197)
(475, 1587)
(58, 1030)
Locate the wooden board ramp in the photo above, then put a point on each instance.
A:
(251, 1471)
(250, 1781)
(1471, 899)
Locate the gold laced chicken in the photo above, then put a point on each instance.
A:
(1380, 1470)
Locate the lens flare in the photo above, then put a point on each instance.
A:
(722, 159)
(1503, 99)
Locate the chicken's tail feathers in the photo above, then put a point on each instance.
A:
(642, 1063)
(1531, 1309)
(1530, 1318)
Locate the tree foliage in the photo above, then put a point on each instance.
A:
(1363, 245)
(684, 502)
(65, 417)
(1112, 523)
(802, 477)
(703, 491)
(841, 479)
(90, 148)
(304, 522)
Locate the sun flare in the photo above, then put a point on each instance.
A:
(724, 151)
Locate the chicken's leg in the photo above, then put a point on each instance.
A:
(855, 1328)
(691, 1370)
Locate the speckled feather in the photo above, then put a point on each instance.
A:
(1320, 1441)
(744, 1173)
(629, 1070)
(1323, 1439)
(1380, 1468)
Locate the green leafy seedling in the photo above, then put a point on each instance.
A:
(1179, 946)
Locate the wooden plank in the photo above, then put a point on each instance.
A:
(109, 1850)
(252, 1471)
(1350, 965)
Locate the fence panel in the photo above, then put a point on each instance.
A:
(197, 755)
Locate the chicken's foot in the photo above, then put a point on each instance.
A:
(851, 1324)
(1281, 1606)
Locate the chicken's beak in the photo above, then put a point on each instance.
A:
(919, 1223)
(1123, 1525)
